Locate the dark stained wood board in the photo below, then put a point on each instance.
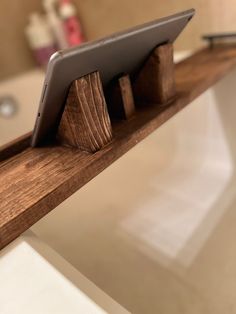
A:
(36, 180)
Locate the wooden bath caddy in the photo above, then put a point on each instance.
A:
(86, 123)
(90, 137)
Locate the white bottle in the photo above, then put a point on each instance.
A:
(40, 38)
(55, 24)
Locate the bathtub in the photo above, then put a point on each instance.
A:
(25, 90)
(154, 231)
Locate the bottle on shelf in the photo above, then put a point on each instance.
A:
(72, 26)
(55, 23)
(40, 38)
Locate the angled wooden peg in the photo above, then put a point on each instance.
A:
(155, 82)
(85, 122)
(120, 98)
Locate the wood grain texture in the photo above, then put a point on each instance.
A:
(85, 122)
(38, 179)
(120, 98)
(155, 82)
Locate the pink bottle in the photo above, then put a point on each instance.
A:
(71, 24)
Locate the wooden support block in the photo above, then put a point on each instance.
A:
(85, 122)
(155, 81)
(120, 97)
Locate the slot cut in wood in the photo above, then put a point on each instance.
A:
(85, 122)
(155, 82)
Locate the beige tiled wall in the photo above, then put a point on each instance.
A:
(15, 55)
(106, 16)
(101, 17)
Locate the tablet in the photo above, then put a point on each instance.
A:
(122, 52)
